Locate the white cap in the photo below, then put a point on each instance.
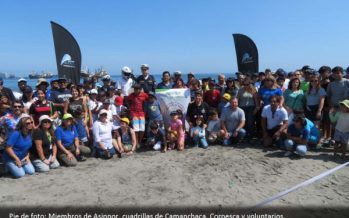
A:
(145, 66)
(93, 91)
(126, 69)
(22, 80)
(177, 72)
(44, 117)
(106, 77)
(103, 111)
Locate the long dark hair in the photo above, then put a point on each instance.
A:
(292, 81)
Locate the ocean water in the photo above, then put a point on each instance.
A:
(12, 83)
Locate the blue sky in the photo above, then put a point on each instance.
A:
(175, 35)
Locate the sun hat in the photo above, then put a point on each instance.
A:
(44, 117)
(126, 69)
(125, 120)
(67, 116)
(227, 96)
(103, 111)
(40, 81)
(345, 103)
(177, 73)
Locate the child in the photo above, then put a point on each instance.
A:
(175, 133)
(213, 127)
(198, 133)
(152, 111)
(119, 111)
(341, 135)
(156, 137)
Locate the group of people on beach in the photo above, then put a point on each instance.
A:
(60, 123)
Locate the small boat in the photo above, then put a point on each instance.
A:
(34, 75)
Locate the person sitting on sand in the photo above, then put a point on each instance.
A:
(19, 142)
(214, 131)
(68, 143)
(300, 134)
(232, 123)
(44, 150)
(175, 132)
(274, 121)
(104, 143)
(126, 136)
(198, 133)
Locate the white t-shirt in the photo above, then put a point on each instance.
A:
(102, 132)
(125, 86)
(278, 118)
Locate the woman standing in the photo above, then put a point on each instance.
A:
(77, 107)
(16, 156)
(42, 107)
(68, 143)
(315, 99)
(28, 99)
(104, 143)
(44, 151)
(294, 97)
(248, 102)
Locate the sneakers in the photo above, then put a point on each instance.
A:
(80, 158)
(288, 153)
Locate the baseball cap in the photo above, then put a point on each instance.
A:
(93, 91)
(125, 120)
(67, 116)
(177, 73)
(227, 96)
(152, 94)
(106, 77)
(119, 101)
(44, 117)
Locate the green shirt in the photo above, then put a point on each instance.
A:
(294, 100)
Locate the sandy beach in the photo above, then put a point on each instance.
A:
(224, 176)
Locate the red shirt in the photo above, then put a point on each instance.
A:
(135, 103)
(212, 97)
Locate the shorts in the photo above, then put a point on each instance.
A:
(138, 124)
(342, 137)
(272, 131)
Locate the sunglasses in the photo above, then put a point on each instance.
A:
(314, 81)
(246, 84)
(17, 106)
(46, 121)
(103, 115)
(28, 123)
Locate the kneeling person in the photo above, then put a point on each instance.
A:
(156, 137)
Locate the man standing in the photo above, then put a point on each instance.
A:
(166, 81)
(126, 82)
(232, 123)
(146, 81)
(220, 86)
(337, 90)
(197, 108)
(135, 102)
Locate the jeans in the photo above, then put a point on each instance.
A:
(19, 172)
(40, 166)
(232, 139)
(101, 154)
(200, 141)
(250, 120)
(291, 146)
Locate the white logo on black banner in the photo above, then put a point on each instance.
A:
(246, 58)
(67, 61)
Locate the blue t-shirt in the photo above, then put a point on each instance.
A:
(309, 132)
(265, 94)
(20, 145)
(152, 110)
(66, 135)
